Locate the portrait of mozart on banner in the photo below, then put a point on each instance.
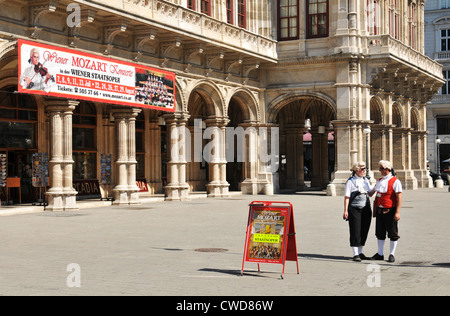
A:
(36, 76)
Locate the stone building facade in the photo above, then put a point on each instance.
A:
(437, 33)
(318, 72)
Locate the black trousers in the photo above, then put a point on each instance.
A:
(359, 223)
(386, 224)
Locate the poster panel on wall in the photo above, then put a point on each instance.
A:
(60, 72)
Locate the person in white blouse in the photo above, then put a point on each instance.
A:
(357, 210)
(387, 209)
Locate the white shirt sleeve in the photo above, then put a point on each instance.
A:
(397, 186)
(348, 188)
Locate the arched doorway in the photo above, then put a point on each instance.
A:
(197, 172)
(302, 144)
(378, 136)
(235, 168)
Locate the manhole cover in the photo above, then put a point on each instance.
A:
(211, 250)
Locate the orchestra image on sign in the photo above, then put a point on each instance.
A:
(61, 72)
(154, 88)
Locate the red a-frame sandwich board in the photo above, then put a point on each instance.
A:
(270, 236)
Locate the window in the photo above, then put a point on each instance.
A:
(446, 87)
(373, 17)
(230, 11)
(288, 20)
(445, 40)
(412, 26)
(18, 118)
(191, 4)
(317, 21)
(393, 19)
(205, 7)
(443, 125)
(242, 14)
(445, 4)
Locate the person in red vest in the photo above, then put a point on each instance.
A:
(387, 206)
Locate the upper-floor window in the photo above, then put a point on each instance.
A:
(412, 23)
(317, 18)
(230, 11)
(443, 125)
(445, 4)
(393, 19)
(446, 87)
(288, 20)
(445, 40)
(205, 7)
(373, 17)
(191, 4)
(242, 15)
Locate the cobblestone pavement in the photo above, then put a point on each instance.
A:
(195, 248)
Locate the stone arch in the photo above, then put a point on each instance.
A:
(180, 101)
(248, 104)
(397, 116)
(301, 146)
(398, 137)
(376, 110)
(212, 98)
(415, 119)
(277, 104)
(8, 53)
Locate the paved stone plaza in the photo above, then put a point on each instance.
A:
(195, 248)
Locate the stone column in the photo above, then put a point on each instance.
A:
(177, 188)
(126, 191)
(218, 185)
(154, 155)
(223, 164)
(61, 195)
(402, 163)
(320, 158)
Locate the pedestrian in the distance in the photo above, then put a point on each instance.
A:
(387, 210)
(357, 208)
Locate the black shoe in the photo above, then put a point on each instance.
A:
(356, 258)
(391, 258)
(377, 257)
(363, 256)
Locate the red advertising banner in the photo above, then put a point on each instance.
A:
(61, 72)
(270, 234)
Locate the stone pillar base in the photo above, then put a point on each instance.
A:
(337, 186)
(409, 181)
(423, 179)
(255, 187)
(125, 197)
(218, 190)
(61, 201)
(177, 193)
